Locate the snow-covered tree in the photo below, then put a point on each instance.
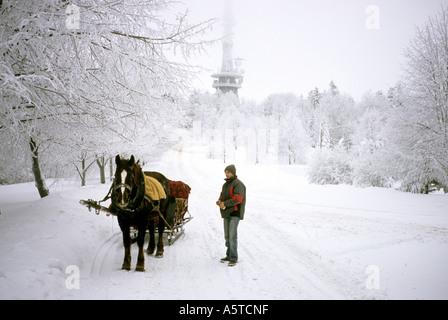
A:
(284, 112)
(419, 124)
(333, 88)
(330, 115)
(330, 166)
(314, 97)
(368, 140)
(82, 72)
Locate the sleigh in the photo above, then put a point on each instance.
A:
(177, 216)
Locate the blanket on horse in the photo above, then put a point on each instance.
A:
(154, 188)
(179, 189)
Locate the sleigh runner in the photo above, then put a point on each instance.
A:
(177, 212)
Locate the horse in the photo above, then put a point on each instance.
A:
(134, 208)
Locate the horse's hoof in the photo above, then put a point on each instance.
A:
(159, 255)
(140, 265)
(126, 263)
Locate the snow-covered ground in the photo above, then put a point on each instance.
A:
(298, 241)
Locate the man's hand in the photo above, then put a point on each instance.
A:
(220, 204)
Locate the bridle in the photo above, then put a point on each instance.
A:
(137, 203)
(116, 187)
(136, 196)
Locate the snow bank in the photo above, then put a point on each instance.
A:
(40, 238)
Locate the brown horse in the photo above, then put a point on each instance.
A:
(134, 208)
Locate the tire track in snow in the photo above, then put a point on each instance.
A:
(230, 283)
(279, 260)
(294, 276)
(105, 256)
(103, 264)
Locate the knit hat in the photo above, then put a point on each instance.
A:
(231, 168)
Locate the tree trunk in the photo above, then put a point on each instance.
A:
(83, 172)
(111, 167)
(40, 182)
(84, 168)
(101, 162)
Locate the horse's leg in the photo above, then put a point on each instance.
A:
(127, 247)
(140, 242)
(127, 258)
(161, 227)
(152, 240)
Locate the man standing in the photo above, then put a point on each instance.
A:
(232, 202)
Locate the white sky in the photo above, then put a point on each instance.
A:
(297, 45)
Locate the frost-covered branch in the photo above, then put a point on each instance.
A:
(106, 80)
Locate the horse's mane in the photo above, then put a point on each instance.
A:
(136, 169)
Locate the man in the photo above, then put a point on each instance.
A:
(232, 202)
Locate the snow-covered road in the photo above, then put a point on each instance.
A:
(298, 241)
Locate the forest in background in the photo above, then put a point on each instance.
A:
(79, 84)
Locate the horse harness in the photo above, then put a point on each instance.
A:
(138, 203)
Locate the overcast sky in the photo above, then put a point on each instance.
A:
(297, 45)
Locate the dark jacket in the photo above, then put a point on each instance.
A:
(233, 195)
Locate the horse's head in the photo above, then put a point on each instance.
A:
(124, 182)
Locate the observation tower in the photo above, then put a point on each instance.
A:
(230, 77)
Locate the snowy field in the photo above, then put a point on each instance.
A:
(298, 241)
